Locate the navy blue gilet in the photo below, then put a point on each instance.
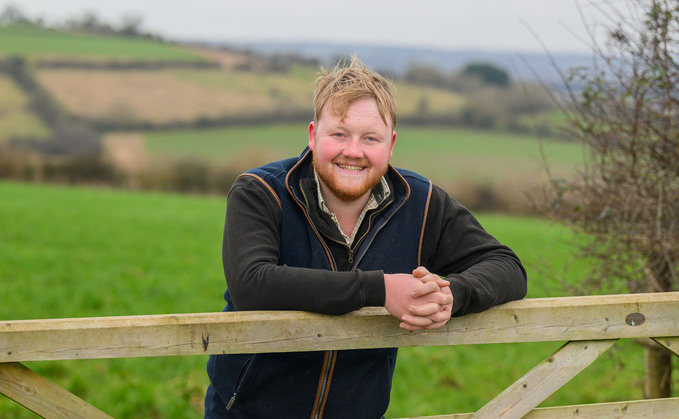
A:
(393, 244)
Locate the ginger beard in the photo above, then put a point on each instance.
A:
(341, 189)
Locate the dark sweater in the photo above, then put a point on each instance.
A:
(482, 272)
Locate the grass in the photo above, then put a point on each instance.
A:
(489, 156)
(35, 42)
(226, 144)
(78, 240)
(67, 252)
(72, 252)
(442, 154)
(412, 99)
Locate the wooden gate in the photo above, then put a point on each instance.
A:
(590, 324)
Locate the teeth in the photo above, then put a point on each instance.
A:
(352, 168)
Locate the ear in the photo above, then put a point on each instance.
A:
(393, 140)
(312, 135)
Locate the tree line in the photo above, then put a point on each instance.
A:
(130, 24)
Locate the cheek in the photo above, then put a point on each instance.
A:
(379, 158)
(326, 150)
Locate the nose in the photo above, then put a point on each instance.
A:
(353, 149)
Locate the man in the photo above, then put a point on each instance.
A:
(338, 229)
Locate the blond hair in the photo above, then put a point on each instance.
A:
(340, 87)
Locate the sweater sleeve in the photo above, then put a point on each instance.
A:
(250, 254)
(482, 271)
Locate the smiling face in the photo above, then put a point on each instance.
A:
(351, 154)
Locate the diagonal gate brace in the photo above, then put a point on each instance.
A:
(671, 343)
(545, 379)
(42, 396)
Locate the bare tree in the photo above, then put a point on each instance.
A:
(131, 24)
(624, 112)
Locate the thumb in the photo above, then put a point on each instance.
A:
(420, 271)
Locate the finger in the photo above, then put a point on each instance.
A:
(440, 298)
(424, 289)
(425, 310)
(410, 327)
(430, 277)
(434, 325)
(416, 320)
(441, 316)
(447, 299)
(441, 282)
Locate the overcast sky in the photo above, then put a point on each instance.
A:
(491, 25)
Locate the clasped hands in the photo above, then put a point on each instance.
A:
(421, 300)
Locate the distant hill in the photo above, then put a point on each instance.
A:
(48, 45)
(521, 66)
(119, 83)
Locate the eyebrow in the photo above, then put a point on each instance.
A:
(343, 126)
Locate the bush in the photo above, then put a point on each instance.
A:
(22, 163)
(70, 140)
(19, 164)
(79, 169)
(190, 175)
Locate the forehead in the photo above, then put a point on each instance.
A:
(360, 111)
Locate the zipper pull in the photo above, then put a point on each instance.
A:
(229, 405)
(351, 256)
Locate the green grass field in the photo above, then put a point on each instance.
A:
(475, 166)
(442, 154)
(67, 252)
(80, 252)
(34, 42)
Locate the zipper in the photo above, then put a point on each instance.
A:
(327, 371)
(232, 400)
(351, 251)
(325, 384)
(367, 230)
(241, 376)
(322, 393)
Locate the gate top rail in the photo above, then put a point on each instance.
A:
(529, 320)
